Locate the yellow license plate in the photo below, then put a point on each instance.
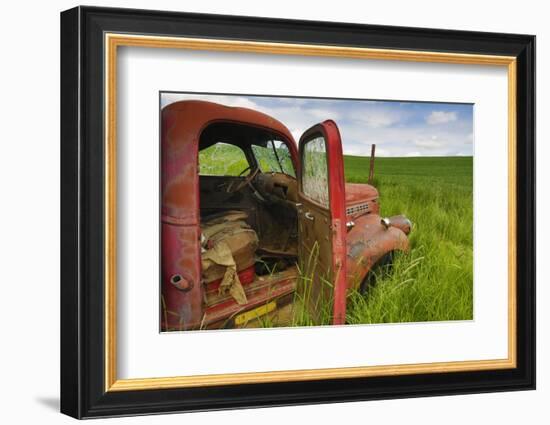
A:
(245, 317)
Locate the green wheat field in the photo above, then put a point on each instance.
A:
(434, 282)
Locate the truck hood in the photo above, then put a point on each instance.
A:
(361, 199)
(357, 193)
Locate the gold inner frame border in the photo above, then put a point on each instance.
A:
(113, 40)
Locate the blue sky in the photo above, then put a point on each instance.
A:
(397, 128)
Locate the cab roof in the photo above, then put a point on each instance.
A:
(199, 113)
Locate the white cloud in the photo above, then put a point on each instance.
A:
(403, 139)
(376, 119)
(432, 143)
(292, 100)
(362, 149)
(297, 133)
(324, 114)
(415, 153)
(441, 117)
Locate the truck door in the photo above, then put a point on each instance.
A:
(322, 225)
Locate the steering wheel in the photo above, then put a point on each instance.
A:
(234, 186)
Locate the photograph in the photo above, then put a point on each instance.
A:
(281, 211)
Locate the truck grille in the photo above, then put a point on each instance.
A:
(361, 208)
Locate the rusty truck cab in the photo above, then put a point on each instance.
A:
(218, 161)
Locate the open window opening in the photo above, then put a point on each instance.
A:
(248, 196)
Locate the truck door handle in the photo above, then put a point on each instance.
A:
(309, 216)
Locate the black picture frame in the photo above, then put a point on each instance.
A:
(82, 218)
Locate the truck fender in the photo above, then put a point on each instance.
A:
(369, 240)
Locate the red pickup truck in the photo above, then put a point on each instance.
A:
(289, 206)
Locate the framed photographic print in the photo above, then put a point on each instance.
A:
(261, 212)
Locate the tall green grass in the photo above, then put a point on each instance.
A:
(435, 280)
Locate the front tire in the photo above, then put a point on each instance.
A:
(381, 268)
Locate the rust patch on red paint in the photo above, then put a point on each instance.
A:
(359, 192)
(367, 242)
(180, 194)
